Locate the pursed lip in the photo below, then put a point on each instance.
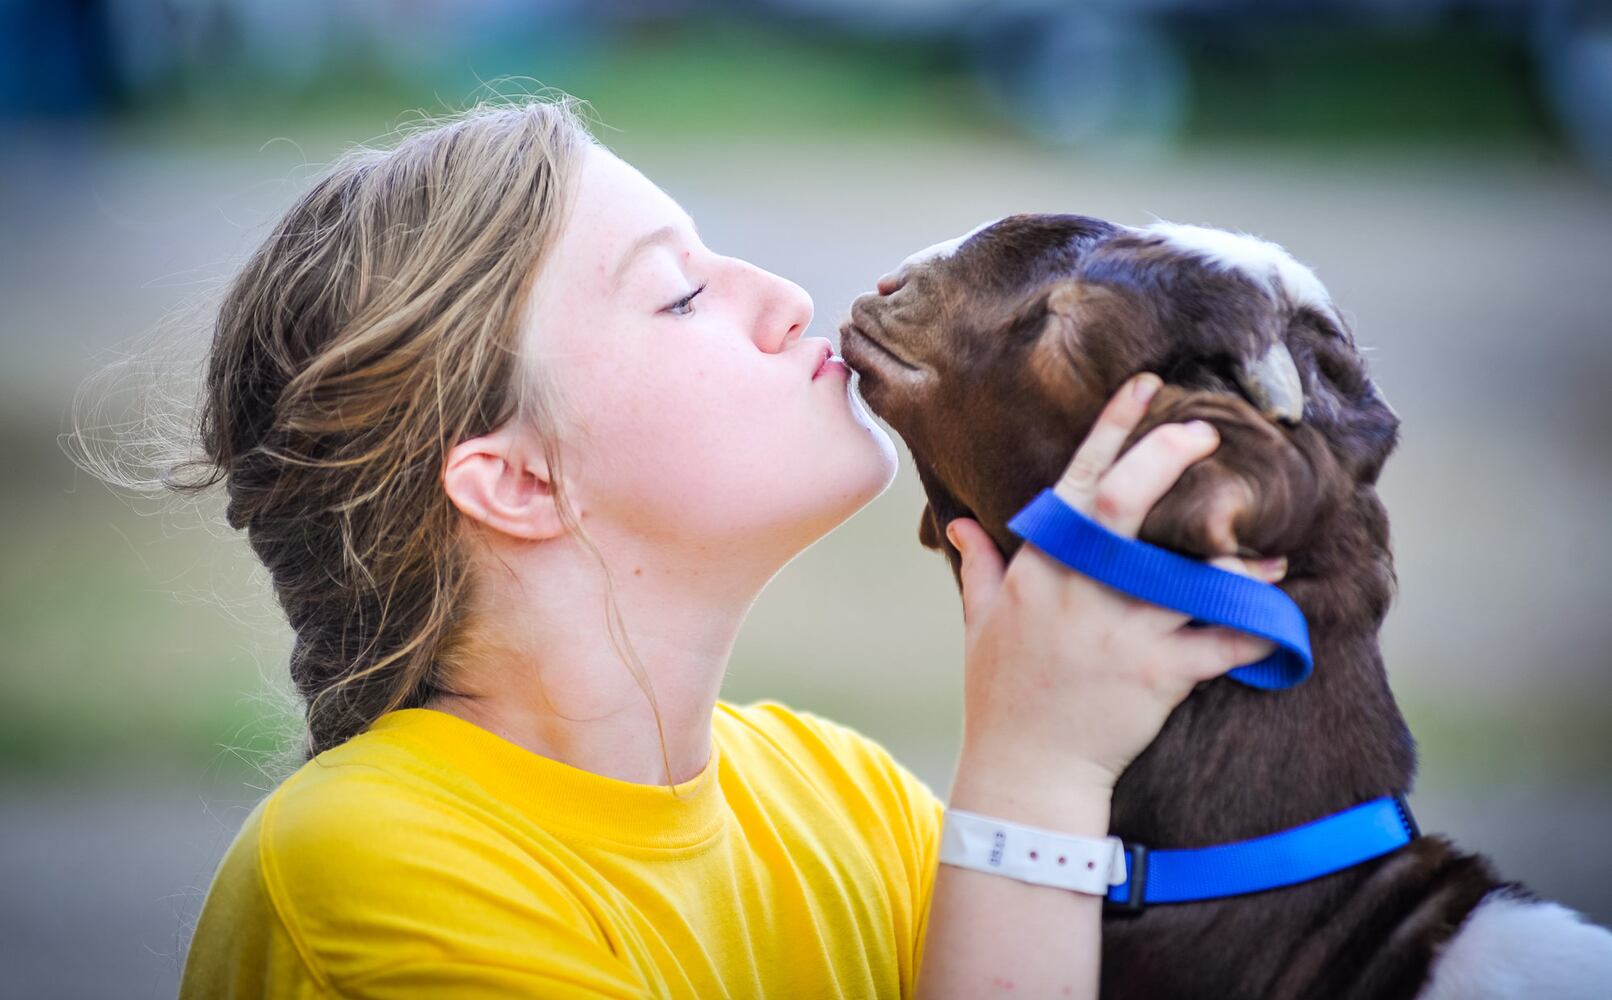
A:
(825, 350)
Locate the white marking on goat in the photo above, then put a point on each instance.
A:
(945, 248)
(1266, 263)
(1516, 949)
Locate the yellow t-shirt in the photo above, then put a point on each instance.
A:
(429, 857)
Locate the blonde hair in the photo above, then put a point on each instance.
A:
(376, 327)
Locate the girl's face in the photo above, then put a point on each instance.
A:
(702, 425)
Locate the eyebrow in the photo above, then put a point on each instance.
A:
(665, 234)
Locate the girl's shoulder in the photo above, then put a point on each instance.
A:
(832, 791)
(312, 835)
(770, 740)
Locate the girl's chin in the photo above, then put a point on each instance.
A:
(879, 465)
(874, 450)
(875, 436)
(850, 465)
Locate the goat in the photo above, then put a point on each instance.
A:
(991, 355)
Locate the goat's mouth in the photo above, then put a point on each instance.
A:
(863, 352)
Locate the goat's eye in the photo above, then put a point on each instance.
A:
(1334, 369)
(1326, 326)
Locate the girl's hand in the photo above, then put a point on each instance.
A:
(1066, 680)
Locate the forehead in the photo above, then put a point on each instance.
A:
(945, 248)
(612, 206)
(615, 205)
(1038, 246)
(1262, 262)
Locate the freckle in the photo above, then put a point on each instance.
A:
(638, 571)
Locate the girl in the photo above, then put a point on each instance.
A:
(519, 451)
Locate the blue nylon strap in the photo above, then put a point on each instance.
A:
(1213, 596)
(1299, 854)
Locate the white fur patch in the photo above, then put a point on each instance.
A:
(1512, 949)
(945, 248)
(1264, 262)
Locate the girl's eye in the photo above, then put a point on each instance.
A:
(682, 307)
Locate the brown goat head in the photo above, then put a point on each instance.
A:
(992, 354)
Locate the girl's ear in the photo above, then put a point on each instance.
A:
(501, 480)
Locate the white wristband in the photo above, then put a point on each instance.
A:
(1031, 854)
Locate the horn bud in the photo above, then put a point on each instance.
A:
(1272, 383)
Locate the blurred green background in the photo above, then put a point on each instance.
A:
(1443, 165)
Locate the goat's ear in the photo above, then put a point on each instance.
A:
(1061, 306)
(1056, 323)
(1258, 493)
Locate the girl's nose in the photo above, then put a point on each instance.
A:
(791, 311)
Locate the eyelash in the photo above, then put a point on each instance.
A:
(684, 301)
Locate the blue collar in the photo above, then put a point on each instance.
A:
(1299, 854)
(1210, 594)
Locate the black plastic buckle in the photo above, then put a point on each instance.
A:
(1405, 815)
(1136, 877)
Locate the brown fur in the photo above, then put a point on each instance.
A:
(992, 365)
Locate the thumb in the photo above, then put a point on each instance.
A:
(982, 568)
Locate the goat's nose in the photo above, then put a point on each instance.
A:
(890, 282)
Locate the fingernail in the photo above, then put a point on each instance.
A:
(1144, 387)
(1202, 428)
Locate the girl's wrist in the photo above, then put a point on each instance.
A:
(1067, 796)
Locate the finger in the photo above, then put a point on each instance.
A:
(1269, 570)
(982, 568)
(1209, 651)
(1124, 410)
(1128, 491)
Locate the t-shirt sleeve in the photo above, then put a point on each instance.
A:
(900, 813)
(388, 894)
